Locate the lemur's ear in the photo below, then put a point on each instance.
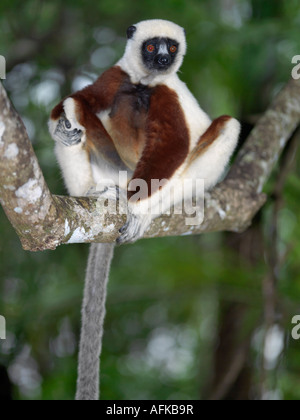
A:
(130, 31)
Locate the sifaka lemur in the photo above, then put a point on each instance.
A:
(137, 117)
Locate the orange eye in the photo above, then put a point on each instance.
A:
(150, 48)
(173, 49)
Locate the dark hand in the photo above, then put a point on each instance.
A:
(65, 133)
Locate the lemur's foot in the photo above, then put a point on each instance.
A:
(108, 192)
(134, 228)
(110, 195)
(66, 134)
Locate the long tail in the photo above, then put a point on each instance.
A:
(93, 314)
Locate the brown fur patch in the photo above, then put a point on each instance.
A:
(100, 95)
(57, 111)
(128, 121)
(210, 135)
(167, 139)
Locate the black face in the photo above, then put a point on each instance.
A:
(159, 53)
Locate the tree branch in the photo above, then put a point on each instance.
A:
(44, 221)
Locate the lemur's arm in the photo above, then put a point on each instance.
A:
(81, 108)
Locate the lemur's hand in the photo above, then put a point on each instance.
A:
(66, 134)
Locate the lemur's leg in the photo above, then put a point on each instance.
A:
(210, 157)
(70, 148)
(206, 162)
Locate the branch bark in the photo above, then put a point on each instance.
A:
(44, 221)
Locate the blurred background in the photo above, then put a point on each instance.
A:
(187, 318)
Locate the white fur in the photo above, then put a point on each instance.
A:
(76, 168)
(105, 171)
(52, 124)
(212, 164)
(163, 49)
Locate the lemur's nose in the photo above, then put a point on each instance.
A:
(164, 60)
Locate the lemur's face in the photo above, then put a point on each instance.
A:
(159, 53)
(155, 49)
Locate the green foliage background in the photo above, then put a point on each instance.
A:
(164, 294)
